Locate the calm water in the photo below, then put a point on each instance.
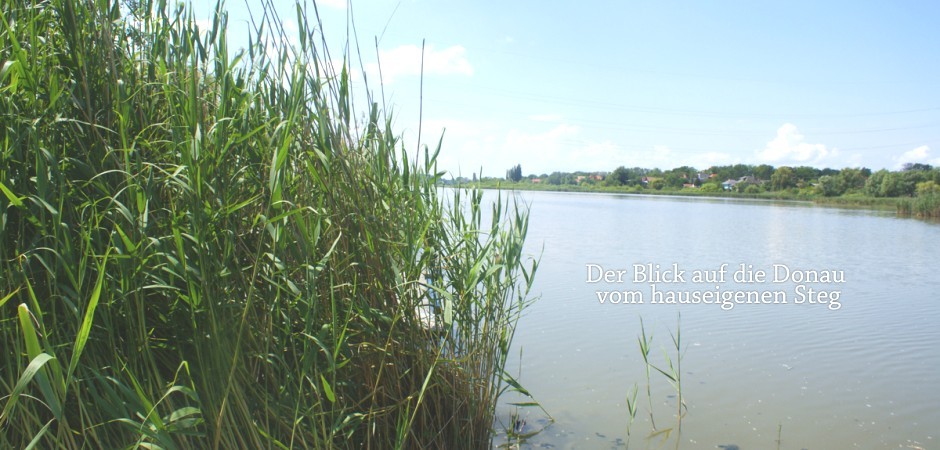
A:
(863, 375)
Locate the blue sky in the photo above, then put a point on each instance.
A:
(592, 85)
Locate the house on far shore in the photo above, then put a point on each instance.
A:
(749, 179)
(647, 180)
(593, 177)
(536, 180)
(705, 176)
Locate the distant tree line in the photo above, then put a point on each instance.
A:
(912, 179)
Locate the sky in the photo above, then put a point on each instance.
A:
(593, 85)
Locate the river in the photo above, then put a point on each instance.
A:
(812, 326)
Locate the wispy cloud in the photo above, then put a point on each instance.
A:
(663, 157)
(551, 144)
(790, 147)
(406, 60)
(917, 155)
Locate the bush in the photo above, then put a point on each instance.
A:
(203, 250)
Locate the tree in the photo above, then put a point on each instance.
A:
(783, 178)
(852, 178)
(673, 179)
(740, 170)
(619, 177)
(927, 188)
(874, 182)
(830, 185)
(806, 174)
(907, 167)
(711, 187)
(514, 173)
(895, 184)
(763, 172)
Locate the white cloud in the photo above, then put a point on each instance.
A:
(552, 145)
(540, 147)
(406, 60)
(790, 146)
(918, 155)
(664, 157)
(471, 145)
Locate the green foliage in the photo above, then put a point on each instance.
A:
(763, 172)
(853, 179)
(619, 177)
(711, 187)
(203, 249)
(783, 178)
(927, 205)
(830, 185)
(927, 188)
(514, 174)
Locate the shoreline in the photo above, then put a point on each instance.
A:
(849, 202)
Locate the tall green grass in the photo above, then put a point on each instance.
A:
(926, 206)
(211, 249)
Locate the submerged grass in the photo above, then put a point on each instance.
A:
(206, 249)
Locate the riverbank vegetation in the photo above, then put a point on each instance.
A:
(912, 190)
(209, 249)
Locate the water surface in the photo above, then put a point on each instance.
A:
(860, 375)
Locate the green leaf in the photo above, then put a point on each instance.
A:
(515, 384)
(82, 338)
(29, 331)
(31, 370)
(39, 435)
(328, 390)
(4, 300)
(16, 201)
(448, 311)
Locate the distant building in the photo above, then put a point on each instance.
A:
(703, 176)
(749, 179)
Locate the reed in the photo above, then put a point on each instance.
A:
(644, 343)
(924, 206)
(632, 408)
(672, 371)
(211, 249)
